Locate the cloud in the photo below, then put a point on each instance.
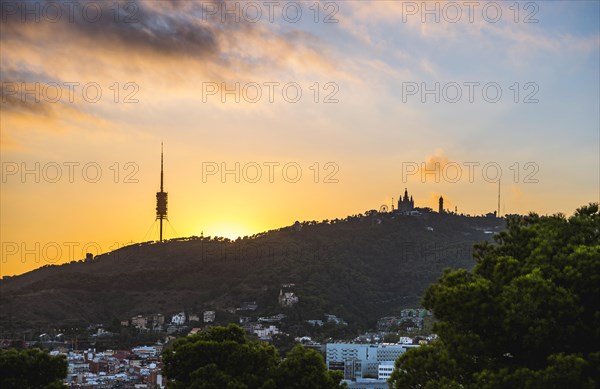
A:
(39, 98)
(434, 199)
(517, 194)
(166, 48)
(436, 24)
(142, 27)
(156, 33)
(14, 104)
(435, 163)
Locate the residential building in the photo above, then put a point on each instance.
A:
(385, 370)
(358, 360)
(287, 299)
(335, 319)
(266, 332)
(178, 319)
(209, 316)
(272, 319)
(139, 322)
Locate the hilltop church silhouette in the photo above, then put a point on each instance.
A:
(406, 204)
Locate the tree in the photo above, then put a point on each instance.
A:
(284, 343)
(527, 315)
(304, 368)
(31, 368)
(223, 358)
(391, 338)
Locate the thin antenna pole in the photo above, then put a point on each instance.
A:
(498, 197)
(161, 186)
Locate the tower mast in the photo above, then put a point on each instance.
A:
(161, 197)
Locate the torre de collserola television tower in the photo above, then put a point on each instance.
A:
(161, 198)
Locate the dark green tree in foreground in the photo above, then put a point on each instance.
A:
(526, 317)
(304, 368)
(223, 358)
(32, 368)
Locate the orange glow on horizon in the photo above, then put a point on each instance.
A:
(339, 150)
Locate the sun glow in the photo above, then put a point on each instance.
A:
(226, 229)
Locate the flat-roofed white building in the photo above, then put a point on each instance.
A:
(385, 370)
(358, 360)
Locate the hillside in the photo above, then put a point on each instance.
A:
(359, 268)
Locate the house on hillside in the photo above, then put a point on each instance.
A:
(178, 319)
(287, 299)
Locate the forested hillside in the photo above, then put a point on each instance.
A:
(359, 268)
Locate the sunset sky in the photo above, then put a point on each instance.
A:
(331, 90)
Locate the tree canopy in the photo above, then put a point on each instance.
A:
(304, 368)
(223, 358)
(31, 368)
(526, 316)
